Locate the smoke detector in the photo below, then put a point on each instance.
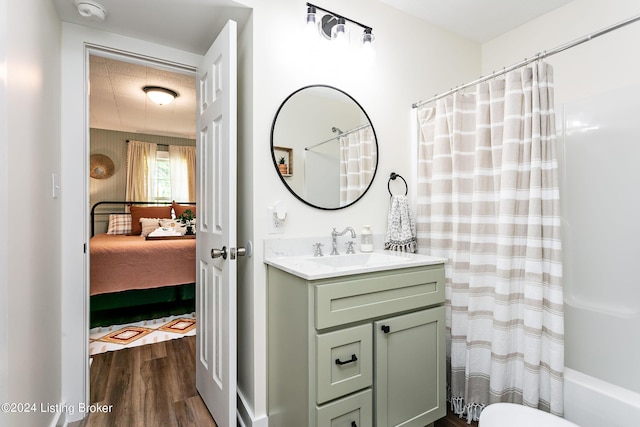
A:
(91, 10)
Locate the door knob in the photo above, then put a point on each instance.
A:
(237, 252)
(217, 253)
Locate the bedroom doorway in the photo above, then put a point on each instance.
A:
(136, 299)
(215, 346)
(177, 36)
(144, 310)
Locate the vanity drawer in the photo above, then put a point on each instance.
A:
(344, 362)
(345, 412)
(377, 295)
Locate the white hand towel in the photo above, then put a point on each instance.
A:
(401, 230)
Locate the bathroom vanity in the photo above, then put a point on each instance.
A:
(356, 340)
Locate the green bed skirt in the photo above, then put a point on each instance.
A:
(143, 304)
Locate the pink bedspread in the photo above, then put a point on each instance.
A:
(120, 263)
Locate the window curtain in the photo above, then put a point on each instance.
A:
(141, 171)
(182, 161)
(357, 163)
(489, 203)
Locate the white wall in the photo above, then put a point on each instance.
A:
(414, 61)
(30, 247)
(608, 62)
(4, 210)
(600, 68)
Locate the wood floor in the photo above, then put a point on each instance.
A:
(148, 386)
(154, 386)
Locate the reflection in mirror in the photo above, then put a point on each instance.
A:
(328, 137)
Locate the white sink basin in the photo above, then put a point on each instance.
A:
(313, 268)
(357, 260)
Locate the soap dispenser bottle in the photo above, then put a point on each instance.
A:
(366, 239)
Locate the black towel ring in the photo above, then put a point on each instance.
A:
(392, 177)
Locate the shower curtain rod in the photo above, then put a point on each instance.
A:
(527, 61)
(338, 136)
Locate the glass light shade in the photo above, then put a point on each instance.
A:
(160, 95)
(368, 37)
(311, 29)
(339, 31)
(368, 49)
(311, 16)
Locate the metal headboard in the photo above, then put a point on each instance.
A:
(93, 212)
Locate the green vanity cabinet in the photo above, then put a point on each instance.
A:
(359, 350)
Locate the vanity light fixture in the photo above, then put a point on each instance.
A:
(333, 26)
(160, 95)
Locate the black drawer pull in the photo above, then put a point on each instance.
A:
(353, 359)
(386, 329)
(353, 424)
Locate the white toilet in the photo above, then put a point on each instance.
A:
(514, 415)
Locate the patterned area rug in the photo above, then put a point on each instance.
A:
(117, 337)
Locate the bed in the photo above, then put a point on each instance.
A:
(134, 276)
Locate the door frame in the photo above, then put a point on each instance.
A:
(77, 43)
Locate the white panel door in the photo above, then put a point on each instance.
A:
(216, 228)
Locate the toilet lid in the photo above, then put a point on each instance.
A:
(511, 414)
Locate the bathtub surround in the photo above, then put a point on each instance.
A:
(489, 202)
(602, 315)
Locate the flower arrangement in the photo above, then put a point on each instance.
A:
(187, 218)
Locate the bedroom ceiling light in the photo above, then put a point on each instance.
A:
(333, 26)
(160, 95)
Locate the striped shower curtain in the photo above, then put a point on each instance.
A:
(488, 201)
(357, 163)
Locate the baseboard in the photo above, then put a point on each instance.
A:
(245, 415)
(59, 420)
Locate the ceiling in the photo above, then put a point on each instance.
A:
(478, 20)
(116, 98)
(117, 102)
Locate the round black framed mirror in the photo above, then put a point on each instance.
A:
(324, 147)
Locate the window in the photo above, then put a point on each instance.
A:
(163, 177)
(160, 176)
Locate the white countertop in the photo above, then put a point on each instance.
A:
(312, 268)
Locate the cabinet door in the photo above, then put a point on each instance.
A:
(409, 382)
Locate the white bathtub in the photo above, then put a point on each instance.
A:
(590, 402)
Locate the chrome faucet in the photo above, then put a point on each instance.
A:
(334, 234)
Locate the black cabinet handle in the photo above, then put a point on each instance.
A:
(353, 359)
(386, 329)
(353, 424)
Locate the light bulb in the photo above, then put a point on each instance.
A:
(340, 36)
(368, 50)
(339, 31)
(311, 29)
(311, 16)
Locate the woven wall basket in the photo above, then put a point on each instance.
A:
(101, 166)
